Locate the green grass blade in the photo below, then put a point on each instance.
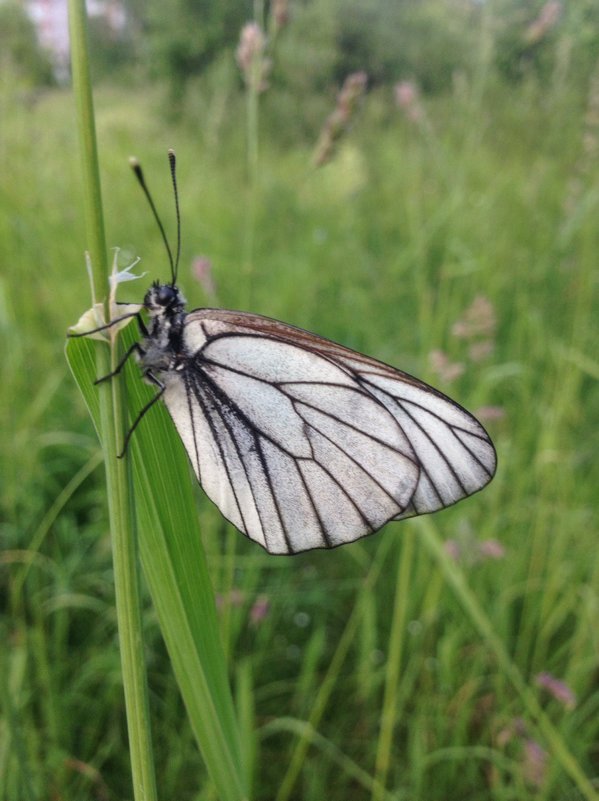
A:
(389, 711)
(457, 581)
(327, 683)
(175, 568)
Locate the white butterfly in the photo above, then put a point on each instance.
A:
(301, 442)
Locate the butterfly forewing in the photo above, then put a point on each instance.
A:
(303, 443)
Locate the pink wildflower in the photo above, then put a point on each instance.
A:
(407, 97)
(447, 371)
(280, 13)
(490, 413)
(535, 761)
(251, 57)
(234, 597)
(558, 689)
(201, 269)
(338, 121)
(479, 351)
(477, 321)
(515, 728)
(452, 549)
(547, 19)
(260, 609)
(491, 549)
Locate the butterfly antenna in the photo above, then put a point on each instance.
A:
(173, 164)
(136, 167)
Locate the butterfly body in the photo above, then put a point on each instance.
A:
(163, 340)
(301, 442)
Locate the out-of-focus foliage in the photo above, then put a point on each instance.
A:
(542, 38)
(182, 38)
(431, 42)
(20, 53)
(387, 39)
(111, 49)
(342, 36)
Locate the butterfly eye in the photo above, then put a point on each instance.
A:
(165, 295)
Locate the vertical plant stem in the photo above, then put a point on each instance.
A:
(253, 80)
(112, 415)
(227, 586)
(252, 173)
(398, 626)
(252, 127)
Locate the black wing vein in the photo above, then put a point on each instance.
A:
(338, 445)
(201, 400)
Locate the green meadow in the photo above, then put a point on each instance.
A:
(449, 657)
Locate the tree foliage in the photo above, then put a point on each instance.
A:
(20, 50)
(185, 37)
(325, 40)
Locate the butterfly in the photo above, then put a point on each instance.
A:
(300, 442)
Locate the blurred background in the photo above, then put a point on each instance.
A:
(418, 181)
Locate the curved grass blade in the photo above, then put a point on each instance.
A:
(175, 568)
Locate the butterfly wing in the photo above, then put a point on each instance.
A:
(303, 443)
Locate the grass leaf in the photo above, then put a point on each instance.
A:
(176, 570)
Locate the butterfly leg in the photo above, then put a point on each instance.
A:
(135, 348)
(137, 315)
(139, 319)
(161, 388)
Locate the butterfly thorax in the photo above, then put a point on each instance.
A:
(166, 306)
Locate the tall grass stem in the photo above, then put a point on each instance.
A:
(112, 416)
(392, 671)
(253, 81)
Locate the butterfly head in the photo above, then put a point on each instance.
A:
(164, 299)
